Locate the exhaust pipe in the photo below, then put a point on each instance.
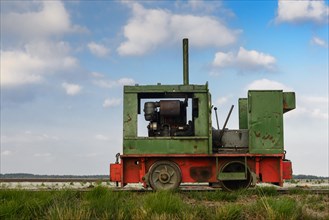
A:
(185, 62)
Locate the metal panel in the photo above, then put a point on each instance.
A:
(270, 170)
(232, 176)
(166, 145)
(243, 113)
(289, 101)
(199, 143)
(165, 88)
(115, 172)
(265, 121)
(287, 169)
(130, 115)
(235, 138)
(202, 121)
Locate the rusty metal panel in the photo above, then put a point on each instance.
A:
(130, 108)
(289, 101)
(265, 121)
(243, 113)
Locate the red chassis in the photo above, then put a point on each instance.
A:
(200, 168)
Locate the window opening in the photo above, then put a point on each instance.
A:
(166, 117)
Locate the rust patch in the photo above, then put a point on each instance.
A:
(267, 137)
(201, 174)
(128, 120)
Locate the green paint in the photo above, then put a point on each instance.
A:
(232, 176)
(265, 121)
(166, 145)
(261, 113)
(200, 143)
(243, 113)
(129, 115)
(289, 101)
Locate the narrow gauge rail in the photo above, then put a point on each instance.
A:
(183, 188)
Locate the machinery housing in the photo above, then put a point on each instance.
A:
(182, 145)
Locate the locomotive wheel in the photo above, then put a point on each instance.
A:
(231, 185)
(164, 175)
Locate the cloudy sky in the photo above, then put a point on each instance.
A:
(64, 64)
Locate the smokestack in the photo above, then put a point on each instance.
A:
(185, 61)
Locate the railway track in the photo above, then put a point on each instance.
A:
(5, 183)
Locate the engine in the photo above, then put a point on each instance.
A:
(167, 118)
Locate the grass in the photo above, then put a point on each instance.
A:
(102, 203)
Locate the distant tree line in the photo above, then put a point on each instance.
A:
(302, 176)
(31, 176)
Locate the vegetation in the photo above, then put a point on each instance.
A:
(103, 203)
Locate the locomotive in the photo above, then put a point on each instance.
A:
(182, 146)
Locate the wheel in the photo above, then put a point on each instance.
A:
(231, 185)
(164, 175)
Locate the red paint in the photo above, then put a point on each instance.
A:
(287, 169)
(268, 168)
(115, 172)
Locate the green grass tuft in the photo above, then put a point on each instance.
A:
(103, 203)
(163, 202)
(267, 191)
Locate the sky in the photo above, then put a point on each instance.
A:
(64, 65)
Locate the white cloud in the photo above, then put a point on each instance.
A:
(19, 67)
(315, 107)
(98, 49)
(126, 81)
(103, 83)
(97, 75)
(48, 18)
(113, 102)
(299, 11)
(101, 137)
(203, 6)
(71, 89)
(224, 59)
(315, 99)
(34, 62)
(28, 137)
(245, 60)
(6, 153)
(221, 100)
(266, 84)
(149, 28)
(319, 114)
(319, 42)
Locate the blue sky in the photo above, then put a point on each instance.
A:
(64, 64)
